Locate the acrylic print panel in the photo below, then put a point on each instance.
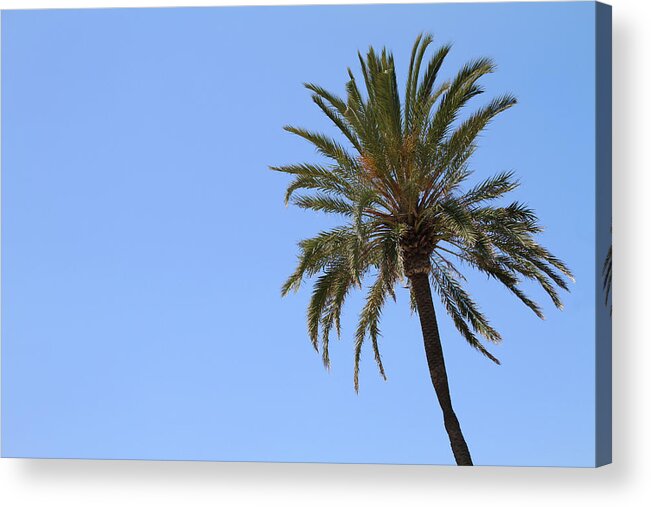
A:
(145, 240)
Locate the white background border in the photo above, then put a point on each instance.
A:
(74, 483)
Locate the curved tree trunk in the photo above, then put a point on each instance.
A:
(434, 352)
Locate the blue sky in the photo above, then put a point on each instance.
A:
(144, 241)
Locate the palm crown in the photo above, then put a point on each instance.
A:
(399, 180)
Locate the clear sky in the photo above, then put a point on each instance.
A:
(144, 240)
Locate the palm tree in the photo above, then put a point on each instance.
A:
(397, 184)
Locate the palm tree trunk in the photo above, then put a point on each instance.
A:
(434, 352)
